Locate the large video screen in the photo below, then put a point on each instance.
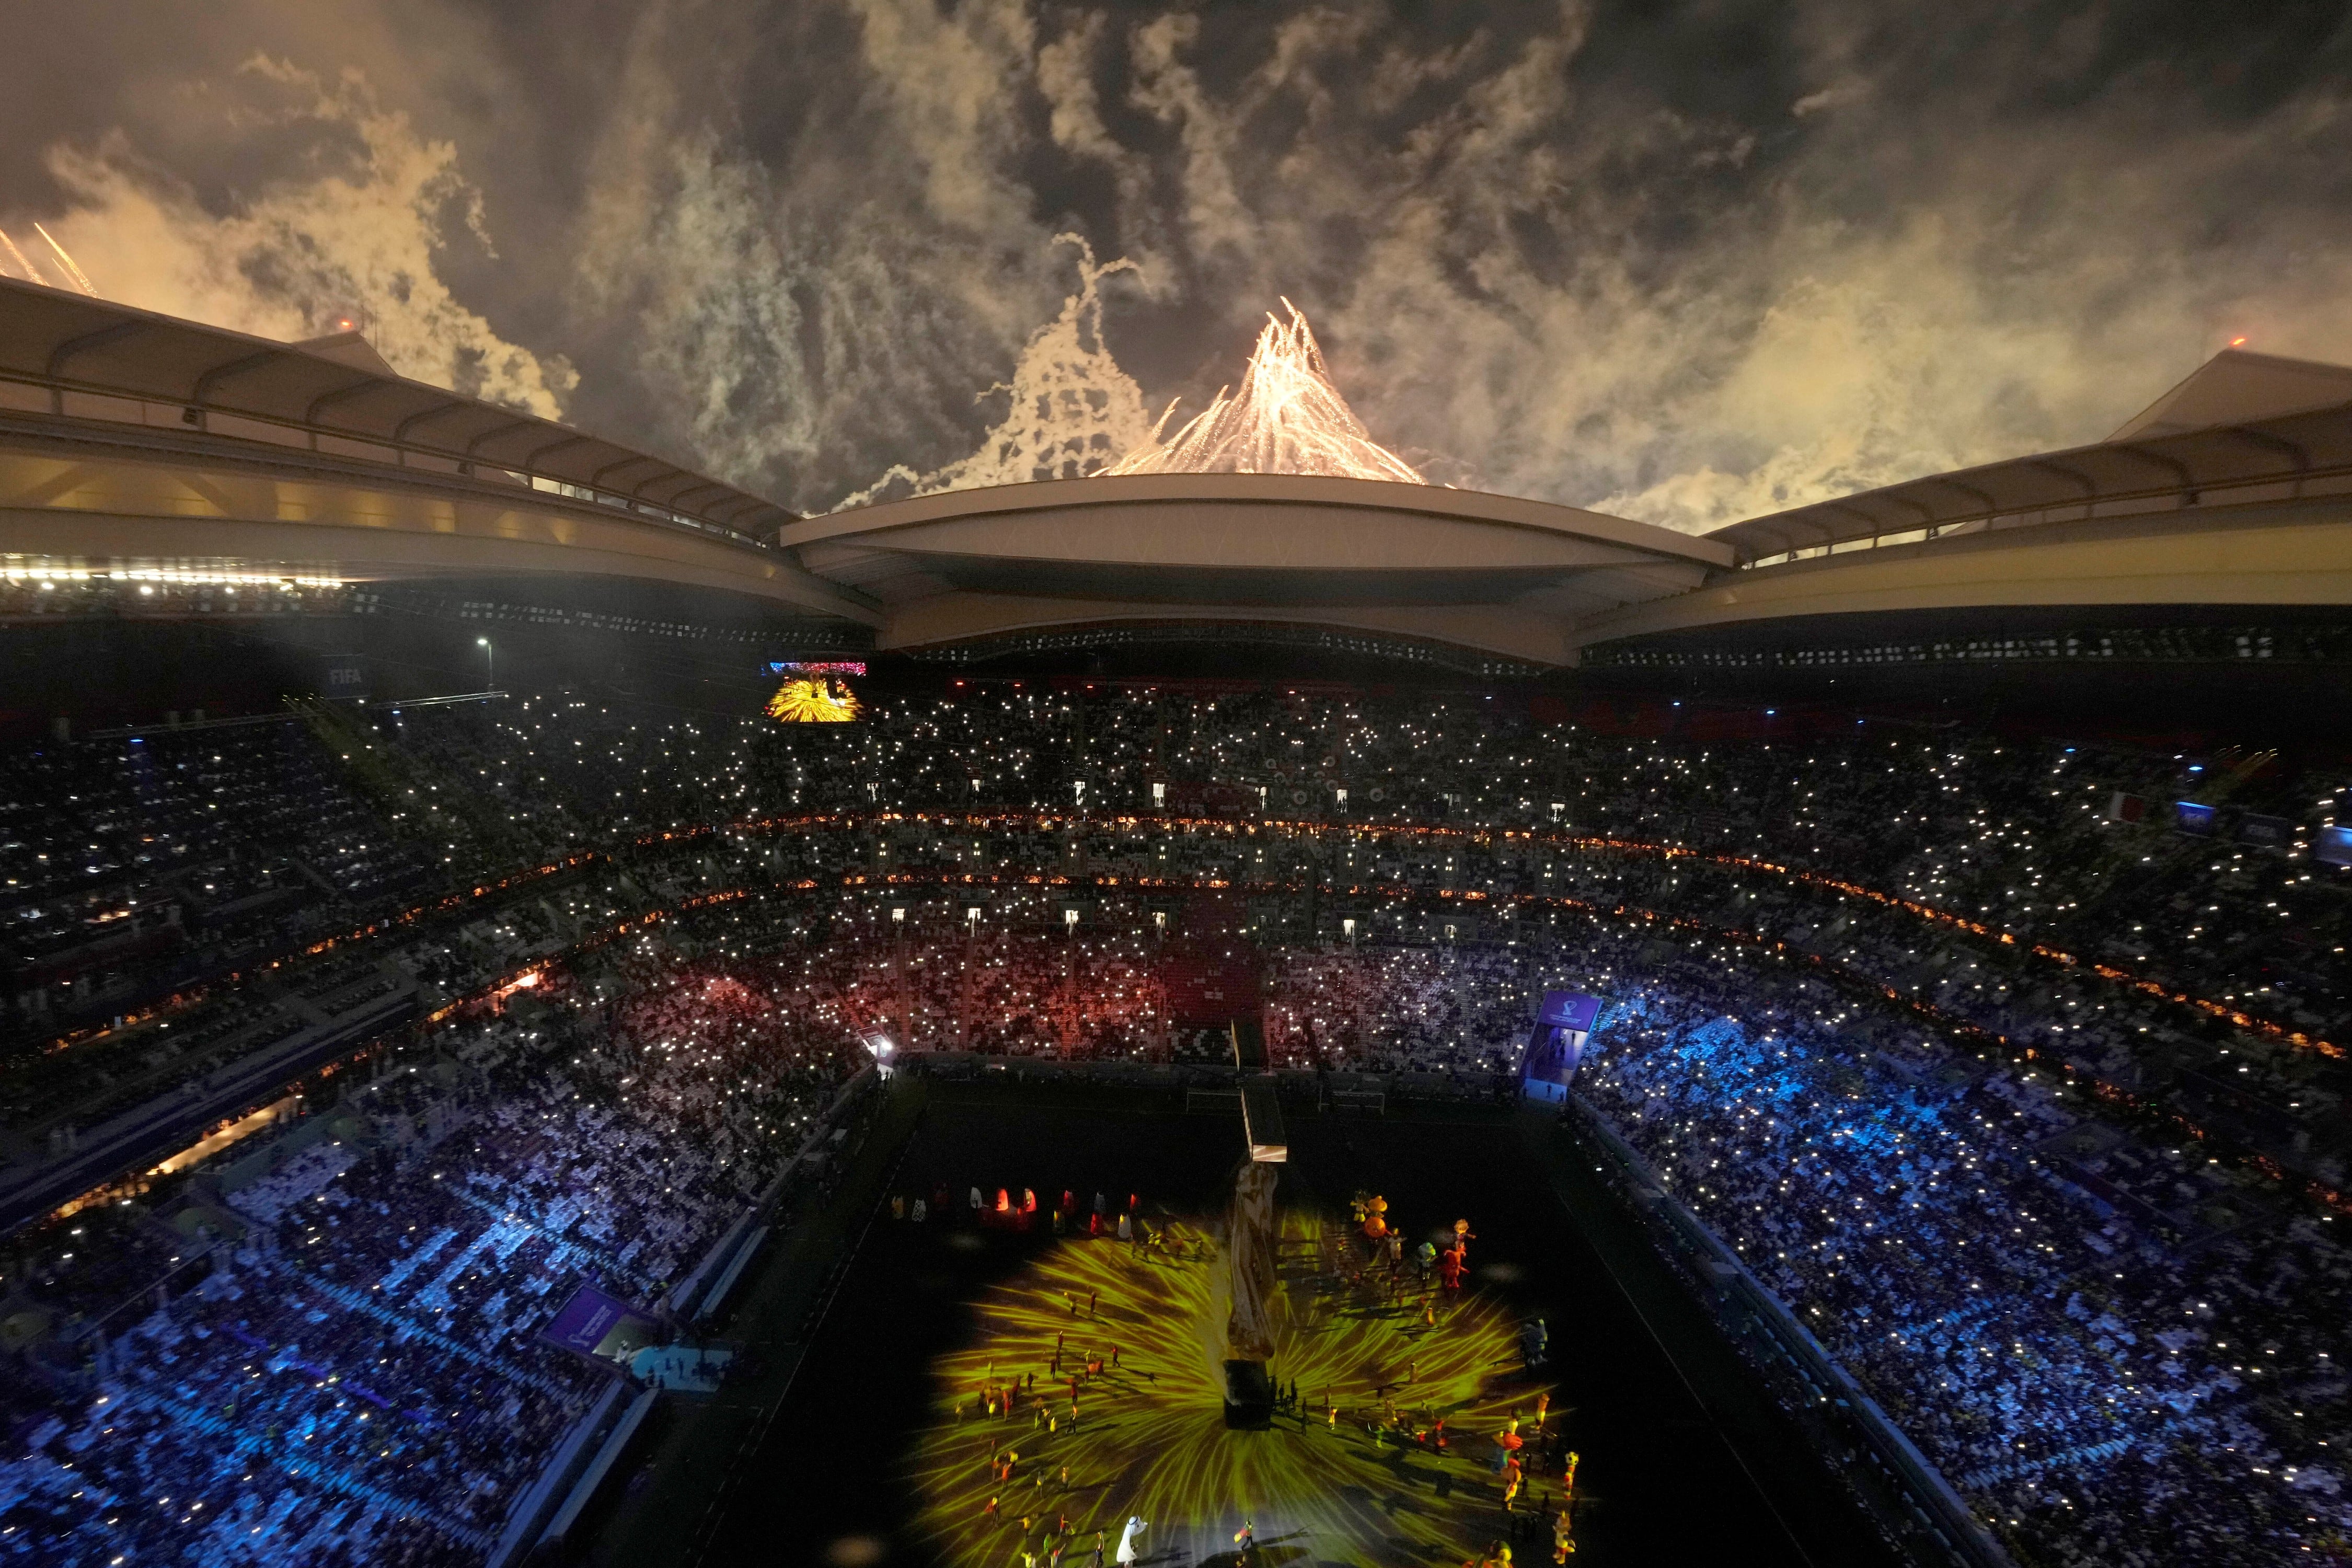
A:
(814, 693)
(2334, 845)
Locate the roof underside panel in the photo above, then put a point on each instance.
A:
(74, 343)
(2304, 453)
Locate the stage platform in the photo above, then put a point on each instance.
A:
(884, 1452)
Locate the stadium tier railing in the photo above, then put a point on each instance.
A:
(1935, 1524)
(600, 1468)
(135, 1138)
(531, 1511)
(703, 1291)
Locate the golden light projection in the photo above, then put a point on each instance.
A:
(1286, 418)
(1389, 1453)
(813, 699)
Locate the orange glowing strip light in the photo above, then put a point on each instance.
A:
(1048, 821)
(2315, 1191)
(2252, 1022)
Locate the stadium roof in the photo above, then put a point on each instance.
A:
(2243, 428)
(1394, 560)
(127, 436)
(333, 395)
(2236, 386)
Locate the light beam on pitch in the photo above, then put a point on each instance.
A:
(1151, 1441)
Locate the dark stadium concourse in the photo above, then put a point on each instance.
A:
(1680, 1462)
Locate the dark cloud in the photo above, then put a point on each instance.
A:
(1685, 262)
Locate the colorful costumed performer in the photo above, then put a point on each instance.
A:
(1135, 1527)
(1507, 1442)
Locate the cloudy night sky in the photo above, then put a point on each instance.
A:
(1686, 263)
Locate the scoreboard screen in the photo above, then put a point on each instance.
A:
(814, 693)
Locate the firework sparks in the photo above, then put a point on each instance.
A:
(1286, 418)
(80, 279)
(24, 263)
(1361, 1476)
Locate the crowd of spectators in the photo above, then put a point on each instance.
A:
(130, 866)
(1827, 954)
(2118, 1352)
(324, 1350)
(161, 857)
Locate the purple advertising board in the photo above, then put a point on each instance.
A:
(1563, 1023)
(589, 1319)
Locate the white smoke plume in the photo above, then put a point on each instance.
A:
(1070, 411)
(293, 254)
(1686, 264)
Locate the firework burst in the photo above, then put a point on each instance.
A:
(1286, 418)
(1352, 1472)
